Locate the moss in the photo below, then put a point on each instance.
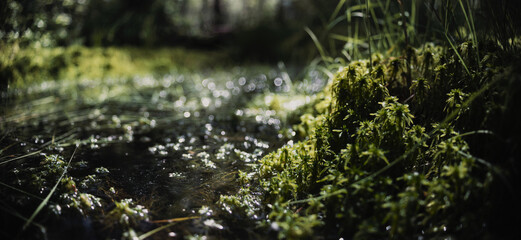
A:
(127, 214)
(389, 160)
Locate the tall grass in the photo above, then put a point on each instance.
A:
(389, 27)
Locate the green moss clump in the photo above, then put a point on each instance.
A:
(392, 160)
(127, 214)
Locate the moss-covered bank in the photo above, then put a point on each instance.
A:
(424, 149)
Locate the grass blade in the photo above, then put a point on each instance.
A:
(469, 24)
(20, 190)
(457, 53)
(317, 43)
(20, 157)
(337, 10)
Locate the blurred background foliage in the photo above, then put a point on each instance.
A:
(272, 25)
(245, 31)
(256, 29)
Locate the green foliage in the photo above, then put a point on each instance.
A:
(127, 214)
(386, 163)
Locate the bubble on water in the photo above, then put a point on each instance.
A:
(186, 114)
(236, 91)
(229, 85)
(277, 82)
(206, 101)
(251, 87)
(242, 81)
(211, 86)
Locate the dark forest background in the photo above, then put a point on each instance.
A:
(251, 29)
(259, 29)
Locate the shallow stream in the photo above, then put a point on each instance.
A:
(167, 145)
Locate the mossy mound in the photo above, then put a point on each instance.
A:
(419, 146)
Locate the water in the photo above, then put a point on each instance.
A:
(171, 144)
